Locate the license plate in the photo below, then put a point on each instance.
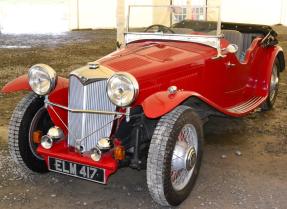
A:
(77, 170)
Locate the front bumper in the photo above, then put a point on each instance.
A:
(61, 151)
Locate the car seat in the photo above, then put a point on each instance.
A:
(235, 37)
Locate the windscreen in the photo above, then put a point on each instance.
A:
(186, 20)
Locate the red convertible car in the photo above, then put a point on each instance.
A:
(144, 105)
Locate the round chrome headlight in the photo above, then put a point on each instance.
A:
(42, 79)
(122, 89)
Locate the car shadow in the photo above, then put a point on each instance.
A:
(221, 130)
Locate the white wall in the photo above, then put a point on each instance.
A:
(266, 12)
(32, 16)
(42, 16)
(92, 14)
(284, 12)
(99, 14)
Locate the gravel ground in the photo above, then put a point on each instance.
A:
(245, 161)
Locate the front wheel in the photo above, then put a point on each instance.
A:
(30, 115)
(175, 156)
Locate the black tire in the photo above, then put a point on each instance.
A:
(19, 128)
(270, 101)
(160, 155)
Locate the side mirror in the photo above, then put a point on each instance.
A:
(232, 48)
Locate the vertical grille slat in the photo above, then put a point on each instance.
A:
(89, 97)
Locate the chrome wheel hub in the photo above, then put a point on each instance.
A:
(190, 158)
(274, 83)
(184, 157)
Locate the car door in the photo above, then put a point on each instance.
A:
(236, 75)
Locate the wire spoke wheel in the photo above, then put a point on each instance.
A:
(273, 87)
(184, 157)
(175, 155)
(274, 83)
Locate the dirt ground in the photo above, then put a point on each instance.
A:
(254, 179)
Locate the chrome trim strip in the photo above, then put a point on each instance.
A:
(47, 102)
(205, 40)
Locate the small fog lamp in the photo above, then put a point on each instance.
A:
(46, 142)
(96, 154)
(104, 144)
(55, 133)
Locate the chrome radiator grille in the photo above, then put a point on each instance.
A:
(88, 127)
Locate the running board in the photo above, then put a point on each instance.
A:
(247, 106)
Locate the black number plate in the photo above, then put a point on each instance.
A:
(77, 170)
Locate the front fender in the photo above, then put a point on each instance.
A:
(22, 83)
(19, 84)
(59, 95)
(163, 102)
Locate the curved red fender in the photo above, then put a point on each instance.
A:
(18, 84)
(163, 102)
(273, 54)
(22, 83)
(59, 95)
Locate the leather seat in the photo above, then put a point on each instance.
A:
(234, 37)
(247, 39)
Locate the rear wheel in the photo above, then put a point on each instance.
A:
(30, 115)
(174, 156)
(274, 87)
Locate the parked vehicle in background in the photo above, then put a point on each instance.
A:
(144, 106)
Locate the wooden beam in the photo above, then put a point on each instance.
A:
(120, 22)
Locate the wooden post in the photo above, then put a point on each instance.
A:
(120, 22)
(189, 9)
(78, 15)
(284, 13)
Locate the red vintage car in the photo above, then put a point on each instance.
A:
(144, 105)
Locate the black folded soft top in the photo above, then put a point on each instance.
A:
(241, 27)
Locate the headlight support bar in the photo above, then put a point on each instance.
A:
(100, 112)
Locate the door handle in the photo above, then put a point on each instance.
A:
(230, 65)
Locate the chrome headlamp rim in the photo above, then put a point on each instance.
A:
(134, 83)
(52, 77)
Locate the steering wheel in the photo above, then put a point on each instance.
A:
(160, 28)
